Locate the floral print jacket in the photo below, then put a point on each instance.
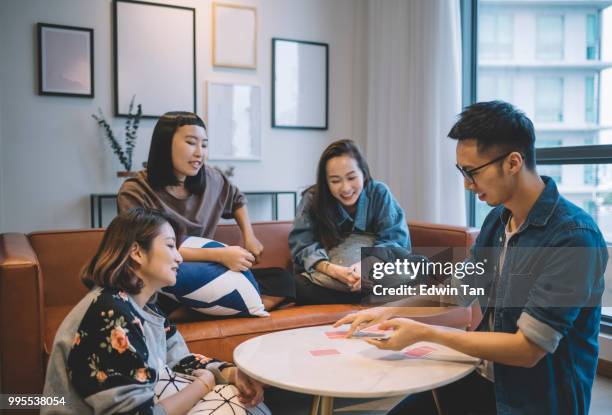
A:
(116, 352)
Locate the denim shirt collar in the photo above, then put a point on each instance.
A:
(542, 209)
(360, 221)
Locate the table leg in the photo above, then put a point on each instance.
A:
(437, 402)
(314, 408)
(327, 405)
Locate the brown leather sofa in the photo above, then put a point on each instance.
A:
(39, 285)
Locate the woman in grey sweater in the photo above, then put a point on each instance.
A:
(179, 182)
(111, 348)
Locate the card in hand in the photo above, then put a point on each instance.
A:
(373, 334)
(339, 334)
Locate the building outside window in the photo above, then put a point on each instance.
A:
(549, 99)
(592, 38)
(590, 175)
(564, 84)
(590, 103)
(549, 37)
(497, 39)
(495, 86)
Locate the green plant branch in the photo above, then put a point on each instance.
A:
(131, 127)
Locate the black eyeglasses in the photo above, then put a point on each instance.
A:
(469, 174)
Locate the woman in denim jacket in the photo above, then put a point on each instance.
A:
(345, 210)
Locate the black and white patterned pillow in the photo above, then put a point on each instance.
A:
(222, 400)
(210, 288)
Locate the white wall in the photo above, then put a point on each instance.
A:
(53, 155)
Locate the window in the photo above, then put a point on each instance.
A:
(548, 143)
(482, 210)
(549, 99)
(549, 37)
(568, 98)
(592, 38)
(495, 86)
(496, 35)
(588, 186)
(590, 115)
(590, 175)
(554, 172)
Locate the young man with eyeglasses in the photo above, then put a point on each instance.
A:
(545, 261)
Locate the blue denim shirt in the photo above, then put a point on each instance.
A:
(377, 213)
(550, 287)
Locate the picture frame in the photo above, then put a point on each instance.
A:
(156, 66)
(300, 84)
(234, 37)
(65, 60)
(234, 121)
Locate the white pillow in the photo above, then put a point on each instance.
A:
(211, 288)
(222, 400)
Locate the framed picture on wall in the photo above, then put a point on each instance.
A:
(234, 36)
(234, 121)
(300, 84)
(65, 60)
(154, 57)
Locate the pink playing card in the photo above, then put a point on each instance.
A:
(419, 351)
(324, 352)
(340, 334)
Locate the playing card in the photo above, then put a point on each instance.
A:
(376, 334)
(324, 352)
(339, 334)
(419, 351)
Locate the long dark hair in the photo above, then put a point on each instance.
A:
(160, 172)
(324, 210)
(112, 266)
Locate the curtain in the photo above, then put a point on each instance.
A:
(413, 91)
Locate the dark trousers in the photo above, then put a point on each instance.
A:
(472, 395)
(308, 292)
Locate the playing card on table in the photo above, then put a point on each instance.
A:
(324, 352)
(421, 351)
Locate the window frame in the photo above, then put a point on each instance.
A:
(584, 154)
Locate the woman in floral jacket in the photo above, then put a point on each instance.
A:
(112, 347)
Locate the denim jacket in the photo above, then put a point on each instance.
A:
(377, 213)
(550, 287)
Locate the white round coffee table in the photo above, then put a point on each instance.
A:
(307, 360)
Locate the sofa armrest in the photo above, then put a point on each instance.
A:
(21, 316)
